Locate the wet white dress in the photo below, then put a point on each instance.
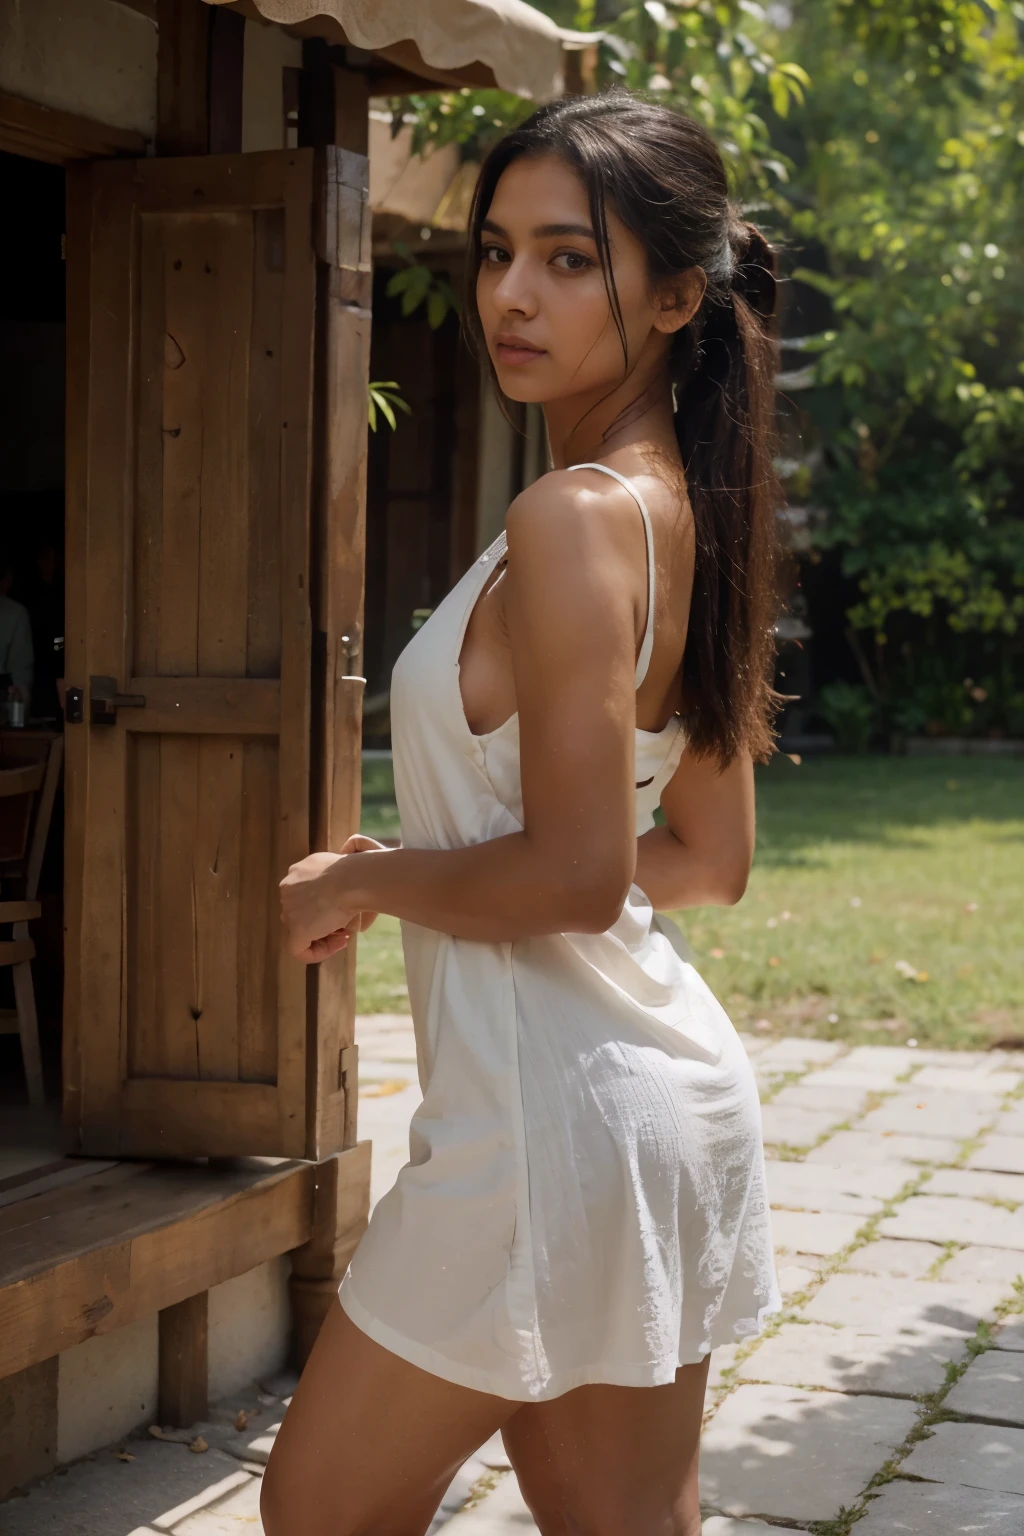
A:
(585, 1198)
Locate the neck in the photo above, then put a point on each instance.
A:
(599, 422)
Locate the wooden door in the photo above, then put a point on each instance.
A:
(192, 314)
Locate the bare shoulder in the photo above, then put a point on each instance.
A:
(569, 510)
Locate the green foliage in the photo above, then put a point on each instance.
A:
(851, 710)
(907, 158)
(418, 284)
(384, 397)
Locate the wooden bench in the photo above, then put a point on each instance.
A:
(88, 1246)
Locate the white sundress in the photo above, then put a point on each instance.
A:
(585, 1199)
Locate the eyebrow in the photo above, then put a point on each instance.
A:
(543, 231)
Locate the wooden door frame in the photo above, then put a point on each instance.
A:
(43, 133)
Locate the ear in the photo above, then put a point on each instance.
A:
(677, 299)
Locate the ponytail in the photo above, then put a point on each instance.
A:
(664, 176)
(723, 371)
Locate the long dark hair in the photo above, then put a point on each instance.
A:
(664, 176)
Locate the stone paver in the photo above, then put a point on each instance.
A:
(937, 1219)
(861, 1146)
(790, 1054)
(1003, 1154)
(892, 1059)
(898, 1363)
(794, 1278)
(722, 1525)
(842, 1075)
(501, 1513)
(885, 1303)
(966, 1080)
(841, 1101)
(991, 1388)
(818, 1232)
(931, 1112)
(795, 1127)
(931, 1509)
(103, 1496)
(722, 1359)
(237, 1509)
(782, 1453)
(1006, 1187)
(1000, 1265)
(825, 1187)
(887, 1256)
(1011, 1122)
(1011, 1335)
(974, 1455)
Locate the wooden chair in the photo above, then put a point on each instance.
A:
(27, 794)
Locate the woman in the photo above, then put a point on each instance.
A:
(584, 1214)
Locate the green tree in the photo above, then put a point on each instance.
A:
(905, 218)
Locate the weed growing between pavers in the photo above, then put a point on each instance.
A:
(948, 1250)
(485, 1484)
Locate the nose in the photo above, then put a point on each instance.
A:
(514, 292)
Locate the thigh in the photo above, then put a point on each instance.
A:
(613, 1461)
(369, 1442)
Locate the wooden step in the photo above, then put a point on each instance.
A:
(124, 1241)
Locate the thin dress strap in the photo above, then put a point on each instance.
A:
(647, 645)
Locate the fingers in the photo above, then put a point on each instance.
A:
(330, 944)
(360, 843)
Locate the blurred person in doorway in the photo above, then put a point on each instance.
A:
(16, 651)
(43, 593)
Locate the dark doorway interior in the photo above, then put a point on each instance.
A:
(421, 484)
(32, 335)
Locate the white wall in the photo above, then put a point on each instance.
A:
(250, 1325)
(268, 51)
(108, 1386)
(93, 57)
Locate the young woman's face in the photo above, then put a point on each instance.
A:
(543, 305)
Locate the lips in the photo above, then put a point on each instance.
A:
(515, 351)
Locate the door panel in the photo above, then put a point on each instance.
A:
(189, 1028)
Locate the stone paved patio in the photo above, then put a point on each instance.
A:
(892, 1386)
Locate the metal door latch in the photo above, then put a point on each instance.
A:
(105, 701)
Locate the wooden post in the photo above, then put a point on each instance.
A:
(183, 1390)
(334, 100)
(200, 55)
(341, 1206)
(182, 102)
(226, 63)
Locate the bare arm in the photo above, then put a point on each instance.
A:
(571, 621)
(702, 855)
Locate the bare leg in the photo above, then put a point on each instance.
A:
(370, 1442)
(613, 1461)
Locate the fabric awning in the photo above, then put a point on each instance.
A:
(457, 42)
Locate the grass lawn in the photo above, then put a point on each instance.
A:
(886, 903)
